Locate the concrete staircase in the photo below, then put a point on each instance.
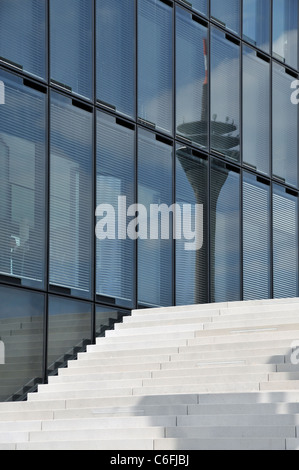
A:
(219, 376)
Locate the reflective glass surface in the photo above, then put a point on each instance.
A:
(115, 258)
(285, 243)
(22, 181)
(155, 64)
(21, 346)
(256, 23)
(225, 231)
(198, 5)
(225, 95)
(256, 237)
(191, 265)
(71, 45)
(256, 111)
(285, 31)
(154, 229)
(116, 63)
(191, 79)
(227, 13)
(23, 35)
(71, 216)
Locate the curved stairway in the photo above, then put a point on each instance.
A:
(218, 376)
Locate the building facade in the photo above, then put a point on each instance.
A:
(106, 104)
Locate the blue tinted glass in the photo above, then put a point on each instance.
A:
(256, 111)
(225, 233)
(115, 190)
(256, 238)
(22, 181)
(155, 64)
(285, 243)
(228, 13)
(256, 23)
(23, 34)
(70, 196)
(225, 95)
(191, 79)
(71, 44)
(285, 31)
(116, 63)
(198, 5)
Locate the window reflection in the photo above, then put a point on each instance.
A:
(256, 23)
(285, 31)
(228, 13)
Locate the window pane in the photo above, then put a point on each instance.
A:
(191, 265)
(225, 96)
(256, 111)
(23, 34)
(285, 126)
(154, 252)
(225, 233)
(70, 196)
(191, 79)
(285, 31)
(22, 182)
(116, 63)
(198, 5)
(21, 333)
(256, 23)
(285, 243)
(69, 329)
(115, 188)
(227, 13)
(71, 44)
(106, 317)
(155, 82)
(256, 238)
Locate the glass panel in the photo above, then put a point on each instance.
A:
(256, 111)
(256, 23)
(116, 63)
(21, 345)
(23, 34)
(71, 45)
(198, 5)
(285, 31)
(105, 319)
(285, 243)
(22, 182)
(256, 238)
(191, 265)
(154, 230)
(285, 126)
(228, 13)
(69, 330)
(225, 95)
(71, 216)
(155, 64)
(191, 79)
(225, 233)
(115, 189)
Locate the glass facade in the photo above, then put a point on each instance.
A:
(148, 157)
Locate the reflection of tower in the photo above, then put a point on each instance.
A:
(222, 141)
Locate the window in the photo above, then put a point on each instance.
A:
(22, 182)
(154, 229)
(285, 125)
(23, 35)
(191, 265)
(285, 243)
(71, 208)
(71, 45)
(256, 237)
(285, 31)
(225, 232)
(191, 79)
(227, 13)
(198, 5)
(225, 95)
(155, 64)
(115, 191)
(116, 63)
(256, 23)
(256, 111)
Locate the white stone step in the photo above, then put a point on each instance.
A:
(112, 444)
(230, 432)
(277, 444)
